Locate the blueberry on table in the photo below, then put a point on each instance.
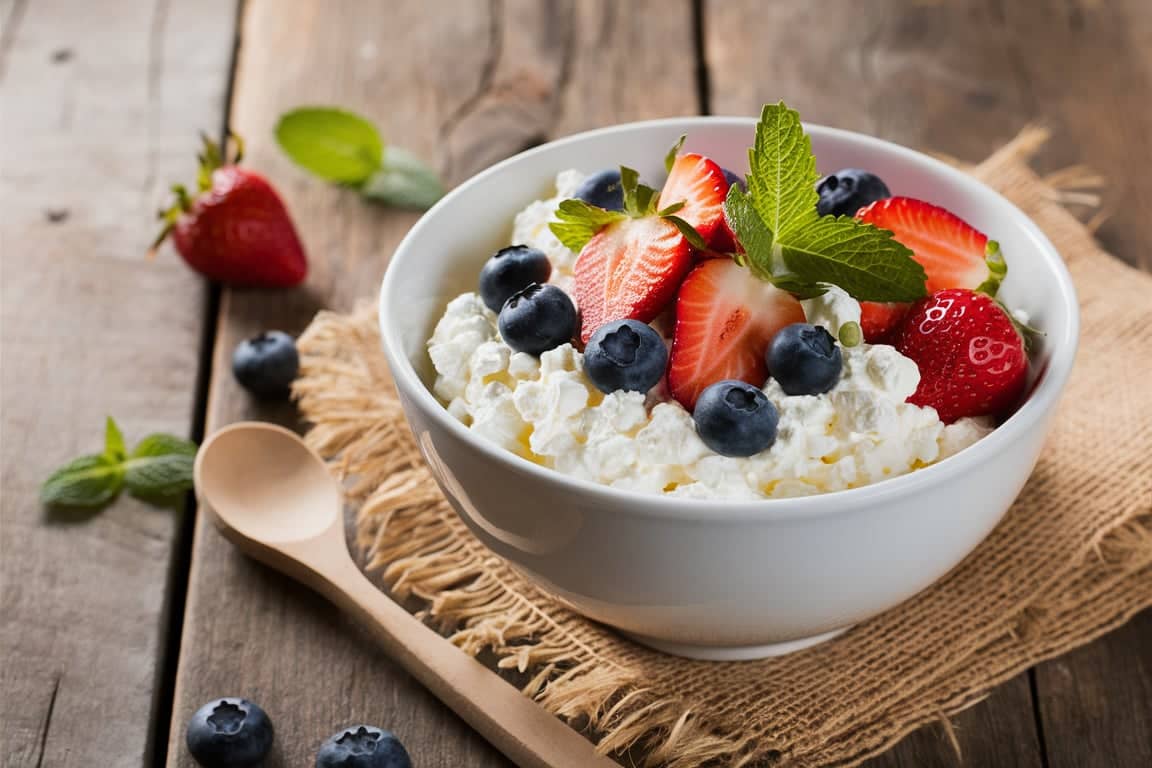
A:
(509, 270)
(537, 319)
(603, 190)
(229, 733)
(625, 354)
(734, 418)
(266, 365)
(363, 746)
(804, 359)
(847, 191)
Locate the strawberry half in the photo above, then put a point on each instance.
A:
(629, 270)
(971, 357)
(953, 254)
(237, 229)
(701, 185)
(725, 318)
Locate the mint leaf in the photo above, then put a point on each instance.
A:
(160, 465)
(751, 232)
(782, 171)
(403, 182)
(863, 260)
(577, 222)
(113, 441)
(89, 481)
(670, 158)
(331, 143)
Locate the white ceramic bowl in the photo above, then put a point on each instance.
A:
(719, 579)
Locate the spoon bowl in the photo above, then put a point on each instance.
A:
(274, 498)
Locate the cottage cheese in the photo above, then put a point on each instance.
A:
(547, 410)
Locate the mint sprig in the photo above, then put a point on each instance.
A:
(158, 470)
(789, 245)
(345, 148)
(577, 222)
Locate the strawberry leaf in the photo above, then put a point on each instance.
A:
(997, 269)
(670, 158)
(689, 232)
(577, 222)
(782, 176)
(863, 260)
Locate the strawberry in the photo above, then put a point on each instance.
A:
(237, 229)
(725, 318)
(953, 254)
(701, 185)
(630, 269)
(971, 357)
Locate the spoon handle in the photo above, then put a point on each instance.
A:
(513, 723)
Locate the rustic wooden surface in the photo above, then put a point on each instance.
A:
(100, 111)
(99, 108)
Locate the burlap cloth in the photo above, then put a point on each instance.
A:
(1072, 559)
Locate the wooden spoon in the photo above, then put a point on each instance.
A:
(275, 500)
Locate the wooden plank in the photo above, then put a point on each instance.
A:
(959, 78)
(101, 105)
(1096, 702)
(462, 88)
(962, 78)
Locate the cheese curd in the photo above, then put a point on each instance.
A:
(547, 410)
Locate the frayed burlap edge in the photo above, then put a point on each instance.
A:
(408, 534)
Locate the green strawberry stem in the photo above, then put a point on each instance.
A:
(212, 157)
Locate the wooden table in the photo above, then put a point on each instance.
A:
(117, 626)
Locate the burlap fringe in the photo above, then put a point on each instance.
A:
(410, 537)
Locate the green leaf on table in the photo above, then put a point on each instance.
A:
(89, 481)
(403, 181)
(160, 465)
(331, 143)
(114, 441)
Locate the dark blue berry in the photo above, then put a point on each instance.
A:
(229, 733)
(847, 191)
(603, 189)
(363, 746)
(509, 270)
(625, 354)
(732, 178)
(266, 364)
(735, 418)
(804, 359)
(537, 319)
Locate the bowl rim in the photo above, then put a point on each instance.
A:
(1040, 401)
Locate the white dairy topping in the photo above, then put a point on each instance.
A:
(547, 410)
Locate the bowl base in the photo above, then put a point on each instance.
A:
(734, 652)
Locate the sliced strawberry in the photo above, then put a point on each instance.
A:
(725, 318)
(971, 357)
(878, 319)
(953, 254)
(701, 185)
(629, 270)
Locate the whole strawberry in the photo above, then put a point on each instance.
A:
(236, 230)
(971, 357)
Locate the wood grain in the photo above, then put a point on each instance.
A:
(462, 89)
(101, 106)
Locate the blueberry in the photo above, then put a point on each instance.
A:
(735, 418)
(804, 359)
(509, 270)
(363, 746)
(625, 354)
(537, 319)
(266, 365)
(603, 189)
(732, 178)
(229, 733)
(847, 191)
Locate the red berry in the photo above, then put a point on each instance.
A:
(700, 184)
(725, 318)
(971, 357)
(953, 254)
